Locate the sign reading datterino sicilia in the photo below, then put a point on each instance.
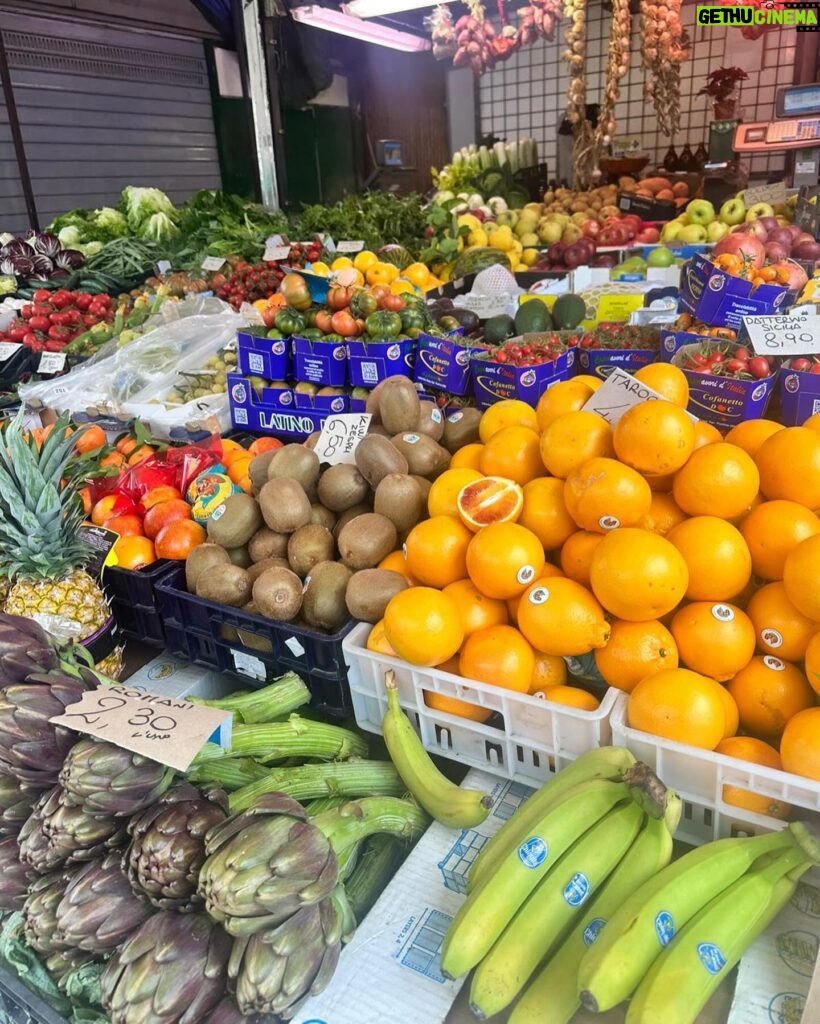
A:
(802, 15)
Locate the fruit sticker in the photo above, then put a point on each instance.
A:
(722, 612)
(775, 664)
(539, 596)
(609, 522)
(533, 852)
(711, 957)
(526, 574)
(771, 637)
(592, 930)
(576, 890)
(664, 927)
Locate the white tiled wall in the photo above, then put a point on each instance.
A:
(527, 94)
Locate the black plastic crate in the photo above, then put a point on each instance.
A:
(206, 632)
(133, 599)
(138, 621)
(19, 1005)
(11, 370)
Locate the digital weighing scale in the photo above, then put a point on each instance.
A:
(798, 127)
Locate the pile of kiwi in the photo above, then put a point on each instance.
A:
(305, 545)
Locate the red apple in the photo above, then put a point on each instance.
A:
(804, 236)
(754, 227)
(633, 220)
(769, 223)
(573, 256)
(806, 249)
(782, 236)
(590, 228)
(743, 244)
(555, 253)
(649, 236)
(794, 230)
(775, 252)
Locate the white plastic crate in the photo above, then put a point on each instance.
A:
(699, 777)
(534, 739)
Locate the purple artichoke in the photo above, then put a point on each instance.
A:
(13, 876)
(40, 911)
(58, 832)
(105, 779)
(16, 803)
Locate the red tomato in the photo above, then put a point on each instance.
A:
(759, 367)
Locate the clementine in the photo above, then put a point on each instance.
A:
(503, 559)
(716, 556)
(719, 480)
(768, 692)
(436, 551)
(714, 639)
(772, 530)
(423, 626)
(634, 651)
(603, 494)
(637, 575)
(679, 705)
(90, 439)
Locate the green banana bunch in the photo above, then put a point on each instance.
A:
(556, 984)
(600, 763)
(649, 919)
(687, 972)
(551, 908)
(489, 908)
(443, 800)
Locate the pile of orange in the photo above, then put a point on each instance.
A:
(687, 563)
(237, 459)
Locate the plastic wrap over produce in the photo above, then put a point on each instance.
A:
(155, 373)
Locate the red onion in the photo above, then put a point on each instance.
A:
(806, 250)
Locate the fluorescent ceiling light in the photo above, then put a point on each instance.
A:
(377, 8)
(346, 25)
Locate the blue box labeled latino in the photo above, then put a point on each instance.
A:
(723, 401)
(320, 362)
(369, 362)
(799, 395)
(493, 382)
(280, 411)
(721, 300)
(264, 357)
(444, 363)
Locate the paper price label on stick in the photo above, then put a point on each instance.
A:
(52, 362)
(350, 247)
(213, 263)
(771, 194)
(163, 267)
(618, 394)
(274, 253)
(341, 436)
(8, 349)
(166, 729)
(783, 335)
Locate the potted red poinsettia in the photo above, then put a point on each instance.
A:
(722, 86)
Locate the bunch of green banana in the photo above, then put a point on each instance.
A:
(671, 943)
(603, 814)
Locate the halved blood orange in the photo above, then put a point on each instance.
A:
(492, 499)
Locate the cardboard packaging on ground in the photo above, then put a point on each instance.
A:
(388, 973)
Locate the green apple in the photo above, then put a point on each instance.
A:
(692, 234)
(733, 211)
(579, 217)
(530, 240)
(660, 257)
(716, 230)
(550, 232)
(759, 210)
(700, 211)
(570, 234)
(671, 231)
(503, 218)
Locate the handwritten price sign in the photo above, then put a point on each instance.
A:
(783, 335)
(165, 729)
(341, 436)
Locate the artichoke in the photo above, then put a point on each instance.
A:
(225, 1012)
(63, 962)
(168, 846)
(31, 748)
(40, 912)
(13, 876)
(25, 647)
(16, 802)
(172, 970)
(57, 832)
(270, 861)
(99, 910)
(105, 779)
(276, 969)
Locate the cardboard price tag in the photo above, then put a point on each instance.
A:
(163, 267)
(771, 194)
(619, 393)
(272, 241)
(350, 247)
(341, 436)
(52, 362)
(327, 242)
(8, 349)
(165, 729)
(783, 335)
(213, 263)
(274, 253)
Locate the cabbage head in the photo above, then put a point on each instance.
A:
(140, 204)
(107, 224)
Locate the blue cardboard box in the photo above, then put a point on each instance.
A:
(320, 362)
(493, 382)
(264, 357)
(369, 362)
(602, 361)
(799, 395)
(723, 401)
(721, 300)
(444, 363)
(280, 411)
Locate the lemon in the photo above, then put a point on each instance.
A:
(402, 287)
(340, 263)
(529, 257)
(322, 269)
(477, 237)
(501, 238)
(417, 273)
(364, 260)
(469, 221)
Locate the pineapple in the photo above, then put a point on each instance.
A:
(41, 551)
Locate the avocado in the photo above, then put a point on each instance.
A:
(498, 328)
(568, 312)
(533, 317)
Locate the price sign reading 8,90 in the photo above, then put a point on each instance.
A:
(783, 335)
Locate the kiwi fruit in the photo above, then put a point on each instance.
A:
(348, 515)
(266, 543)
(369, 591)
(373, 399)
(424, 486)
(376, 456)
(258, 469)
(341, 487)
(307, 546)
(378, 429)
(366, 540)
(235, 521)
(277, 593)
(285, 506)
(322, 516)
(399, 498)
(460, 429)
(399, 405)
(430, 421)
(200, 560)
(227, 585)
(256, 570)
(323, 605)
(240, 556)
(424, 456)
(295, 462)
